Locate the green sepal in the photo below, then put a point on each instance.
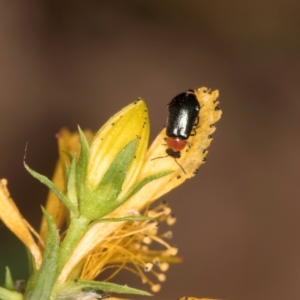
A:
(31, 263)
(112, 287)
(47, 182)
(116, 173)
(9, 282)
(6, 294)
(67, 164)
(83, 160)
(81, 288)
(71, 183)
(69, 155)
(100, 202)
(141, 184)
(40, 285)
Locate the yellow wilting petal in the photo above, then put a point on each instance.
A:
(67, 143)
(191, 158)
(12, 218)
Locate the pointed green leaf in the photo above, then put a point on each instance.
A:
(116, 173)
(81, 288)
(81, 293)
(98, 203)
(112, 287)
(40, 286)
(31, 263)
(69, 155)
(47, 182)
(9, 282)
(71, 184)
(83, 160)
(67, 163)
(142, 183)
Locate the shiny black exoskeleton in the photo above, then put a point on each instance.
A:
(183, 115)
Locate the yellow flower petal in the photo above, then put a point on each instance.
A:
(191, 158)
(129, 123)
(12, 218)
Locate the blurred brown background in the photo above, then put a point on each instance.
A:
(78, 62)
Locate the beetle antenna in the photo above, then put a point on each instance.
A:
(159, 157)
(180, 166)
(174, 159)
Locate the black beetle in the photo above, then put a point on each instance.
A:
(183, 117)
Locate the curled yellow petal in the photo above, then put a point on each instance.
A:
(13, 220)
(191, 157)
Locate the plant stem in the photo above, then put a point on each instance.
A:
(76, 230)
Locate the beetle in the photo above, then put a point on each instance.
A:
(183, 118)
